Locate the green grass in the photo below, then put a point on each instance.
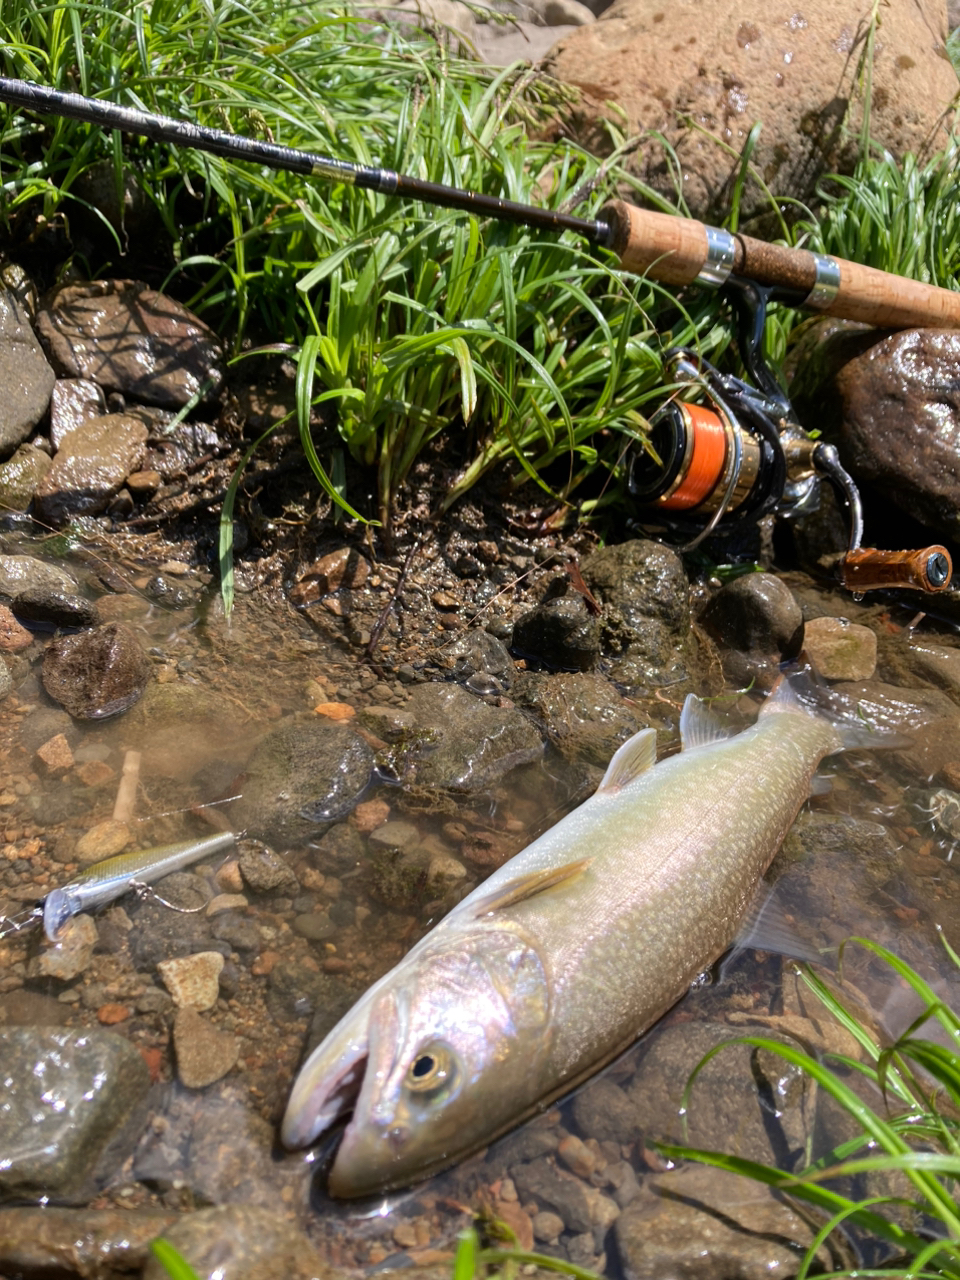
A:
(914, 1133)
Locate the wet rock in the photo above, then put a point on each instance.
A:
(97, 673)
(694, 1222)
(25, 376)
(90, 467)
(204, 1054)
(51, 609)
(72, 952)
(340, 848)
(603, 1111)
(723, 69)
(560, 632)
(103, 840)
(315, 926)
(265, 871)
(758, 624)
(343, 568)
(73, 402)
(388, 723)
(93, 1244)
(841, 650)
(395, 835)
(127, 338)
(21, 475)
(552, 1188)
(747, 1102)
(161, 934)
(66, 1094)
(193, 981)
(20, 573)
(55, 756)
(891, 403)
(934, 665)
(584, 715)
(476, 744)
(237, 931)
(294, 992)
(478, 653)
(242, 1242)
(302, 776)
(644, 590)
(13, 637)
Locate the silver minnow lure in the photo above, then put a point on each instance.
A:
(567, 953)
(107, 880)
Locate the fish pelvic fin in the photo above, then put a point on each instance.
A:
(524, 887)
(636, 756)
(699, 727)
(798, 692)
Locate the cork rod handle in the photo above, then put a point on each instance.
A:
(674, 250)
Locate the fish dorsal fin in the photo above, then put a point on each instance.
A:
(636, 756)
(524, 887)
(699, 726)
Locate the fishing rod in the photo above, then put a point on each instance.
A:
(733, 462)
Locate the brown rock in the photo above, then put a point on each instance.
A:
(13, 637)
(519, 1222)
(700, 67)
(73, 402)
(25, 376)
(204, 1054)
(95, 773)
(369, 815)
(103, 840)
(142, 484)
(335, 710)
(243, 1242)
(90, 467)
(343, 568)
(111, 1014)
(97, 1242)
(840, 650)
(193, 981)
(55, 756)
(130, 339)
(96, 673)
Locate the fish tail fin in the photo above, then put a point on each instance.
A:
(798, 691)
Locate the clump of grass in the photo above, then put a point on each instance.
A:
(915, 1134)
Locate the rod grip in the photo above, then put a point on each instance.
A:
(667, 247)
(867, 569)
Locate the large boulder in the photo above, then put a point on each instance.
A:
(697, 68)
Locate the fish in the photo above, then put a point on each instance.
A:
(106, 880)
(572, 949)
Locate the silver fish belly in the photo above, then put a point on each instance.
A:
(566, 954)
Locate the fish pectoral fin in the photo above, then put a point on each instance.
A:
(524, 887)
(699, 726)
(636, 756)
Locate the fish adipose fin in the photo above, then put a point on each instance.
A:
(699, 726)
(524, 887)
(636, 756)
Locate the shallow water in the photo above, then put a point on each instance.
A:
(297, 955)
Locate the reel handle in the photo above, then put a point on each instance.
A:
(683, 251)
(867, 569)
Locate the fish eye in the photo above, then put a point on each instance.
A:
(431, 1071)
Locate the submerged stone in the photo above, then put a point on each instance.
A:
(66, 1093)
(20, 573)
(127, 338)
(242, 1242)
(98, 1242)
(97, 673)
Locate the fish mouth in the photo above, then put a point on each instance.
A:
(323, 1094)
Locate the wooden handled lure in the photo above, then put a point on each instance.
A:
(107, 880)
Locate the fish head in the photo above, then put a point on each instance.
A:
(452, 1049)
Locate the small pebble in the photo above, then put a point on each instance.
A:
(547, 1226)
(72, 952)
(193, 981)
(111, 1014)
(204, 1054)
(370, 814)
(95, 773)
(55, 756)
(228, 877)
(226, 902)
(335, 710)
(577, 1156)
(103, 840)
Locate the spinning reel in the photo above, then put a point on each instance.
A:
(717, 466)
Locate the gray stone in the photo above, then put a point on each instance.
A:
(74, 401)
(90, 466)
(20, 573)
(21, 475)
(66, 1094)
(758, 624)
(560, 632)
(239, 932)
(127, 338)
(264, 871)
(25, 376)
(242, 1242)
(603, 1111)
(395, 835)
(478, 653)
(552, 1188)
(338, 849)
(99, 1243)
(584, 715)
(694, 1222)
(54, 609)
(727, 1111)
(476, 744)
(96, 673)
(302, 776)
(646, 597)
(315, 926)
